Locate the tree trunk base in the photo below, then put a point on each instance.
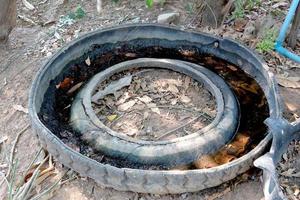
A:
(213, 12)
(8, 17)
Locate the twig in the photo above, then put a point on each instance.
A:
(23, 193)
(13, 150)
(30, 165)
(179, 127)
(28, 5)
(50, 188)
(26, 19)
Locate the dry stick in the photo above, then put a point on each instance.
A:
(13, 150)
(38, 196)
(30, 165)
(23, 193)
(179, 127)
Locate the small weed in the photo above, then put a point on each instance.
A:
(77, 14)
(149, 3)
(268, 41)
(242, 5)
(189, 7)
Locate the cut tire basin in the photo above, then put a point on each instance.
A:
(223, 66)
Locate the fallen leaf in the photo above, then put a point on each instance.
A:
(124, 98)
(145, 99)
(65, 84)
(205, 161)
(233, 68)
(88, 61)
(173, 102)
(239, 144)
(113, 87)
(20, 108)
(74, 88)
(111, 117)
(289, 82)
(130, 55)
(240, 24)
(222, 157)
(127, 105)
(28, 5)
(3, 139)
(181, 167)
(154, 108)
(185, 99)
(172, 88)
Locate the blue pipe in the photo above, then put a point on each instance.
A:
(282, 34)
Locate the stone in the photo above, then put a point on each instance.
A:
(168, 18)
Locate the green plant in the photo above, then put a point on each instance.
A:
(268, 41)
(242, 5)
(149, 3)
(190, 7)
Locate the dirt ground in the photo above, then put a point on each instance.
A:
(42, 32)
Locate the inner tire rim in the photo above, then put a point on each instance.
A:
(168, 153)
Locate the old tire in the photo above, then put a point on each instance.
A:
(150, 181)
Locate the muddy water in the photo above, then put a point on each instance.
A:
(55, 110)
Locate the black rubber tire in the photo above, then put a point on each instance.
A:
(150, 181)
(168, 153)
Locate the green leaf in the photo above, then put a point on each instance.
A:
(149, 3)
(80, 13)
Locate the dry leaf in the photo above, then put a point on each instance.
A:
(124, 97)
(20, 108)
(111, 117)
(173, 102)
(145, 99)
(75, 87)
(113, 87)
(88, 61)
(65, 84)
(187, 82)
(222, 157)
(154, 108)
(233, 68)
(185, 99)
(181, 167)
(206, 161)
(289, 82)
(130, 55)
(239, 144)
(172, 88)
(28, 5)
(127, 105)
(3, 139)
